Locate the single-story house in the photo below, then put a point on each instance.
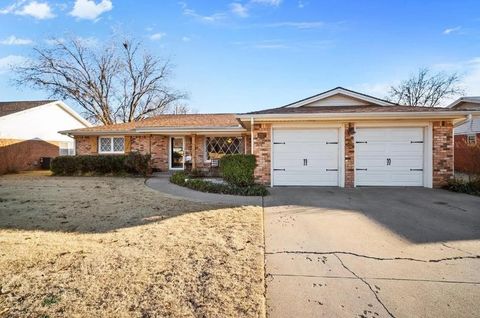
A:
(29, 131)
(336, 138)
(469, 131)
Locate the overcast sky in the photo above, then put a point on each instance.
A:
(236, 56)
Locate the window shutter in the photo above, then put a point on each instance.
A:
(94, 141)
(127, 144)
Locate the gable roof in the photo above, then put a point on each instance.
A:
(465, 99)
(168, 123)
(15, 108)
(343, 91)
(7, 108)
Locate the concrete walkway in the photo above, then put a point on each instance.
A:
(162, 183)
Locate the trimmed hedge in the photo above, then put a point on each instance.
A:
(132, 163)
(182, 179)
(238, 169)
(469, 187)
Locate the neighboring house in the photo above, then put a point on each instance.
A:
(336, 138)
(29, 131)
(469, 131)
(467, 135)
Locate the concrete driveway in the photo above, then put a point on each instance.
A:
(372, 252)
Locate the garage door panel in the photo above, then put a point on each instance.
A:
(318, 146)
(389, 156)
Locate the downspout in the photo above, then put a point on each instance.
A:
(251, 135)
(469, 117)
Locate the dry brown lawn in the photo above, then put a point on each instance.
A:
(112, 247)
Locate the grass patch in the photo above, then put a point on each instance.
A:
(184, 180)
(50, 300)
(112, 247)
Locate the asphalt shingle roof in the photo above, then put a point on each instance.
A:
(7, 108)
(196, 121)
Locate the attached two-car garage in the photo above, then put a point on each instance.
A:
(313, 157)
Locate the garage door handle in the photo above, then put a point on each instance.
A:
(416, 169)
(279, 143)
(332, 142)
(360, 142)
(416, 142)
(331, 169)
(360, 169)
(278, 169)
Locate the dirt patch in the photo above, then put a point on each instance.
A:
(111, 247)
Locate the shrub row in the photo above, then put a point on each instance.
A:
(238, 169)
(132, 163)
(469, 187)
(182, 179)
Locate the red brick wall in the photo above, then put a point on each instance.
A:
(442, 152)
(262, 150)
(17, 155)
(160, 146)
(86, 145)
(349, 158)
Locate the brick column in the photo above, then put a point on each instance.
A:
(262, 150)
(349, 157)
(442, 152)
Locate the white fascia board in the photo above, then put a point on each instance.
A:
(343, 92)
(353, 116)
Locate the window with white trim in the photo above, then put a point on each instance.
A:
(471, 139)
(217, 147)
(66, 148)
(111, 145)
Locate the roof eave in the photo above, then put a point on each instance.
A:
(344, 116)
(156, 130)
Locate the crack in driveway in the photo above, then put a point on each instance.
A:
(368, 285)
(453, 258)
(379, 278)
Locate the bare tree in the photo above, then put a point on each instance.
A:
(426, 89)
(118, 82)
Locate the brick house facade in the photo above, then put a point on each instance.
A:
(402, 146)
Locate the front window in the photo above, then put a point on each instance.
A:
(471, 139)
(66, 148)
(217, 147)
(111, 145)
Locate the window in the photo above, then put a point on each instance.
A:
(111, 145)
(217, 147)
(471, 139)
(66, 148)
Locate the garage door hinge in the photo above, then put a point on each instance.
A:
(360, 142)
(416, 169)
(279, 143)
(332, 142)
(331, 169)
(360, 169)
(278, 169)
(416, 142)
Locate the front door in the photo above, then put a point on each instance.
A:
(176, 153)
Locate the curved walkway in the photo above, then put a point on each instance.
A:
(163, 184)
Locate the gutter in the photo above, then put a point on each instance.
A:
(141, 131)
(469, 117)
(343, 116)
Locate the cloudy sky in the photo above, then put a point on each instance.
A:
(235, 56)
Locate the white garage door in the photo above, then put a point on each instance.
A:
(305, 157)
(389, 156)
